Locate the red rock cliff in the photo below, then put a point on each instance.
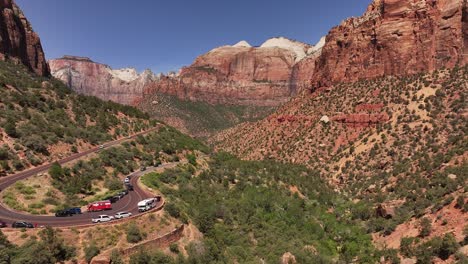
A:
(123, 86)
(239, 74)
(395, 37)
(18, 41)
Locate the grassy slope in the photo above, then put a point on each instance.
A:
(403, 164)
(199, 118)
(249, 211)
(40, 124)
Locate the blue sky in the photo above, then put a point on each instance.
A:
(165, 35)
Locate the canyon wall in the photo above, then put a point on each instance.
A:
(394, 37)
(18, 41)
(87, 77)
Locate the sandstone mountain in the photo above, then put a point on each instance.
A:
(18, 41)
(395, 37)
(239, 74)
(123, 86)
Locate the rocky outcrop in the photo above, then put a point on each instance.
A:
(239, 74)
(394, 37)
(123, 86)
(18, 41)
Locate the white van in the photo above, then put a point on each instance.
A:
(146, 204)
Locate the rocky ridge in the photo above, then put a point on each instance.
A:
(394, 37)
(87, 77)
(18, 41)
(240, 74)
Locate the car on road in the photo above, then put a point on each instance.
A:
(129, 187)
(63, 213)
(124, 192)
(121, 215)
(143, 168)
(3, 224)
(75, 210)
(22, 224)
(68, 212)
(100, 206)
(101, 146)
(102, 219)
(113, 199)
(127, 180)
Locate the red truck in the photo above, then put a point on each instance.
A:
(99, 206)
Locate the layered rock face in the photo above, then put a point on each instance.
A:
(18, 41)
(123, 86)
(395, 37)
(239, 74)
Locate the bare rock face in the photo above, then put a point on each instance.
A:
(123, 86)
(18, 41)
(239, 74)
(395, 37)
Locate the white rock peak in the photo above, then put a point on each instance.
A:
(317, 46)
(125, 74)
(243, 44)
(300, 49)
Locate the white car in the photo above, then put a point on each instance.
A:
(127, 180)
(121, 215)
(103, 218)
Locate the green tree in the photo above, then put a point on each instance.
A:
(426, 227)
(134, 234)
(91, 251)
(56, 171)
(10, 129)
(56, 245)
(116, 257)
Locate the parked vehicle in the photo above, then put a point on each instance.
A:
(99, 206)
(121, 215)
(3, 224)
(129, 187)
(113, 199)
(101, 146)
(127, 180)
(22, 224)
(102, 218)
(124, 192)
(143, 168)
(75, 210)
(63, 213)
(146, 204)
(68, 212)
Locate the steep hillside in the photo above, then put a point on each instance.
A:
(42, 120)
(397, 143)
(200, 119)
(124, 86)
(18, 41)
(241, 207)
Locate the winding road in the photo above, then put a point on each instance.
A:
(128, 203)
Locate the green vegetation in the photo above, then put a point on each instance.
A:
(49, 249)
(111, 163)
(91, 251)
(134, 235)
(37, 118)
(247, 212)
(202, 119)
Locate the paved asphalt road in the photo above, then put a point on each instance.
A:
(127, 203)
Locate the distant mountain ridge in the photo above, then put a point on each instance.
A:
(85, 76)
